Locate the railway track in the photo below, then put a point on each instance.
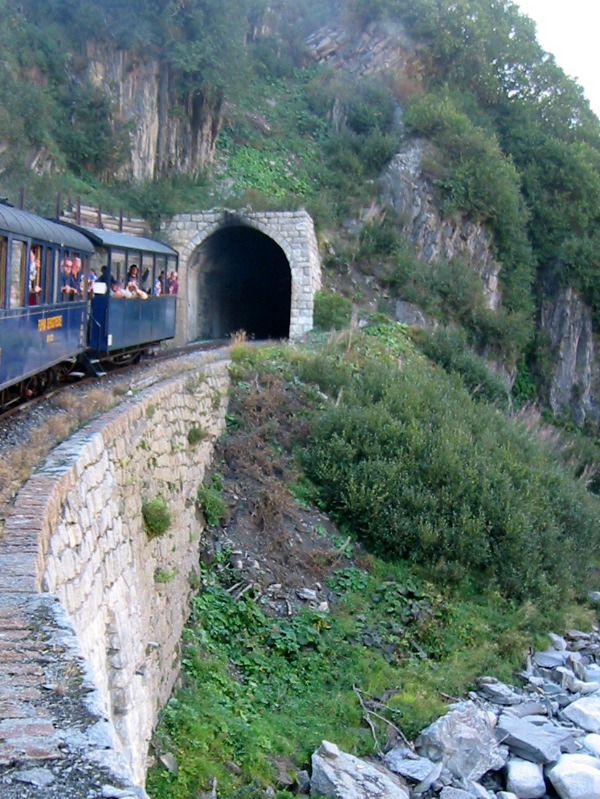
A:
(79, 380)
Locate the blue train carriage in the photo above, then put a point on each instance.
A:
(43, 301)
(133, 286)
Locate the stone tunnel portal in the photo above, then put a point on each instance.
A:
(244, 282)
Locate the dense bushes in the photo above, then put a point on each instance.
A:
(452, 292)
(449, 348)
(420, 472)
(332, 311)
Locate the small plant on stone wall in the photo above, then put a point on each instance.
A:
(196, 435)
(157, 518)
(211, 501)
(164, 575)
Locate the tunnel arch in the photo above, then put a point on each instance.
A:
(239, 278)
(273, 248)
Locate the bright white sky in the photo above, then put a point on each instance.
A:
(570, 30)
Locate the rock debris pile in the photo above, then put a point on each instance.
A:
(503, 742)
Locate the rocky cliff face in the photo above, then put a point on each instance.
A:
(406, 188)
(567, 322)
(574, 388)
(168, 134)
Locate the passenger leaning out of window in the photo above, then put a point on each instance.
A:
(68, 284)
(77, 275)
(173, 283)
(133, 284)
(34, 278)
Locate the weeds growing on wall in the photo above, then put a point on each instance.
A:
(157, 517)
(211, 501)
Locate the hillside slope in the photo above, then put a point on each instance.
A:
(169, 107)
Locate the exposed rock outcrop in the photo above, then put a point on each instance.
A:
(567, 322)
(407, 189)
(379, 48)
(167, 134)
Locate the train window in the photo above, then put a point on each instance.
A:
(161, 273)
(34, 275)
(147, 273)
(118, 269)
(3, 251)
(18, 270)
(50, 280)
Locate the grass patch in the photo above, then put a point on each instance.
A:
(195, 435)
(157, 517)
(258, 689)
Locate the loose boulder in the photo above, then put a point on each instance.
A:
(464, 740)
(525, 779)
(576, 777)
(341, 776)
(585, 713)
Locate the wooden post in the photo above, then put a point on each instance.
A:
(78, 211)
(58, 204)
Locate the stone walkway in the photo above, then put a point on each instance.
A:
(54, 741)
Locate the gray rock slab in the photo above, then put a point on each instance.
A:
(557, 641)
(591, 743)
(575, 778)
(39, 777)
(525, 779)
(342, 776)
(454, 793)
(585, 713)
(550, 659)
(530, 708)
(415, 768)
(526, 740)
(592, 671)
(464, 739)
(498, 692)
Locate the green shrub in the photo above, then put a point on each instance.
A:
(449, 348)
(195, 435)
(212, 503)
(164, 575)
(331, 311)
(157, 518)
(419, 471)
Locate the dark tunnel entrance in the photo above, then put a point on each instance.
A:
(244, 282)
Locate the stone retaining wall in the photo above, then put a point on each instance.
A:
(77, 533)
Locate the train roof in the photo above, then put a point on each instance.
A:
(125, 241)
(14, 220)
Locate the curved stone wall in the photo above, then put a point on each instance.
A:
(77, 533)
